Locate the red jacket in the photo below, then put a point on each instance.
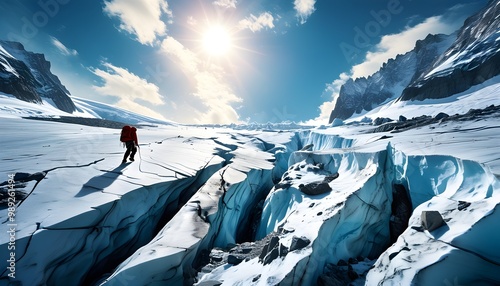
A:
(130, 136)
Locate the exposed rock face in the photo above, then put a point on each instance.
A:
(439, 66)
(431, 220)
(367, 93)
(472, 59)
(27, 76)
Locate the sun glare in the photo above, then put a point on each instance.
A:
(217, 41)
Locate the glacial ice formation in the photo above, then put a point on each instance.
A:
(195, 191)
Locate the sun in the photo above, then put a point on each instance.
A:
(217, 41)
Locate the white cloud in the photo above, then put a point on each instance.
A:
(333, 90)
(226, 3)
(129, 88)
(304, 9)
(213, 92)
(392, 45)
(254, 23)
(64, 50)
(141, 18)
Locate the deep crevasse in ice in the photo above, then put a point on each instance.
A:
(219, 214)
(90, 241)
(350, 220)
(353, 219)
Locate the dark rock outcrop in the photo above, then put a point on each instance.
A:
(27, 76)
(367, 93)
(438, 67)
(431, 220)
(471, 60)
(299, 243)
(318, 188)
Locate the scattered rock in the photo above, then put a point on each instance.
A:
(281, 185)
(273, 242)
(318, 188)
(235, 259)
(313, 189)
(299, 243)
(271, 256)
(352, 261)
(424, 120)
(342, 262)
(463, 205)
(330, 178)
(272, 250)
(381, 120)
(283, 250)
(418, 228)
(441, 115)
(432, 220)
(256, 278)
(26, 177)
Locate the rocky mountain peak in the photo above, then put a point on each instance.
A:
(27, 76)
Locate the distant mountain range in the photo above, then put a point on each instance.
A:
(438, 67)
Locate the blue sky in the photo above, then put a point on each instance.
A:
(267, 61)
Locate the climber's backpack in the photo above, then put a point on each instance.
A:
(125, 135)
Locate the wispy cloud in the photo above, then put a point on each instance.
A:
(226, 3)
(333, 90)
(64, 50)
(141, 18)
(129, 88)
(304, 9)
(211, 89)
(257, 23)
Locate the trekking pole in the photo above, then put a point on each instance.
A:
(140, 158)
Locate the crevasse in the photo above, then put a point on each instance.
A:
(353, 219)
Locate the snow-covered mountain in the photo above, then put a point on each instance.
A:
(439, 67)
(27, 76)
(29, 89)
(364, 94)
(473, 59)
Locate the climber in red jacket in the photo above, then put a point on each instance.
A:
(129, 138)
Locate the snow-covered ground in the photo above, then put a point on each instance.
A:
(304, 200)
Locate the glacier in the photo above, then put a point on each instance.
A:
(211, 206)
